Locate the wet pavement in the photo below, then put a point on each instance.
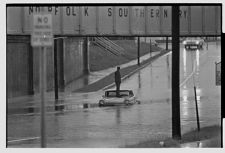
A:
(210, 143)
(71, 100)
(126, 125)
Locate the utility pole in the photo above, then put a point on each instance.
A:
(176, 130)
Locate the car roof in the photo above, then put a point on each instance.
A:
(115, 90)
(193, 38)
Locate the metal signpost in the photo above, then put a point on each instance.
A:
(42, 38)
(196, 108)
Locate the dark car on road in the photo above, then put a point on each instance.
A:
(189, 43)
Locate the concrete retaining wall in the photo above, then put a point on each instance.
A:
(73, 59)
(17, 66)
(23, 67)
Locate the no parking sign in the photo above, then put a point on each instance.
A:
(42, 30)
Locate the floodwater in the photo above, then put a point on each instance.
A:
(125, 125)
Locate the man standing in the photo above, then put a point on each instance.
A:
(117, 81)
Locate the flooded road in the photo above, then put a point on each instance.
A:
(123, 125)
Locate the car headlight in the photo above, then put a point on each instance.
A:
(197, 42)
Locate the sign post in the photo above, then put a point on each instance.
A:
(42, 38)
(42, 92)
(196, 108)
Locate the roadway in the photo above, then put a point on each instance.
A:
(123, 125)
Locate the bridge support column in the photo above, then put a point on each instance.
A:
(56, 69)
(61, 65)
(176, 129)
(30, 76)
(86, 55)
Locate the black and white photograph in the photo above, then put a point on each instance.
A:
(111, 75)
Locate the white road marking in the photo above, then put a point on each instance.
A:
(25, 139)
(181, 84)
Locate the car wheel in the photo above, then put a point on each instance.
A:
(138, 101)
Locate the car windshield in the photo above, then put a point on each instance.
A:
(121, 94)
(110, 94)
(124, 93)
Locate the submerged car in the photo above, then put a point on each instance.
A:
(125, 97)
(193, 42)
